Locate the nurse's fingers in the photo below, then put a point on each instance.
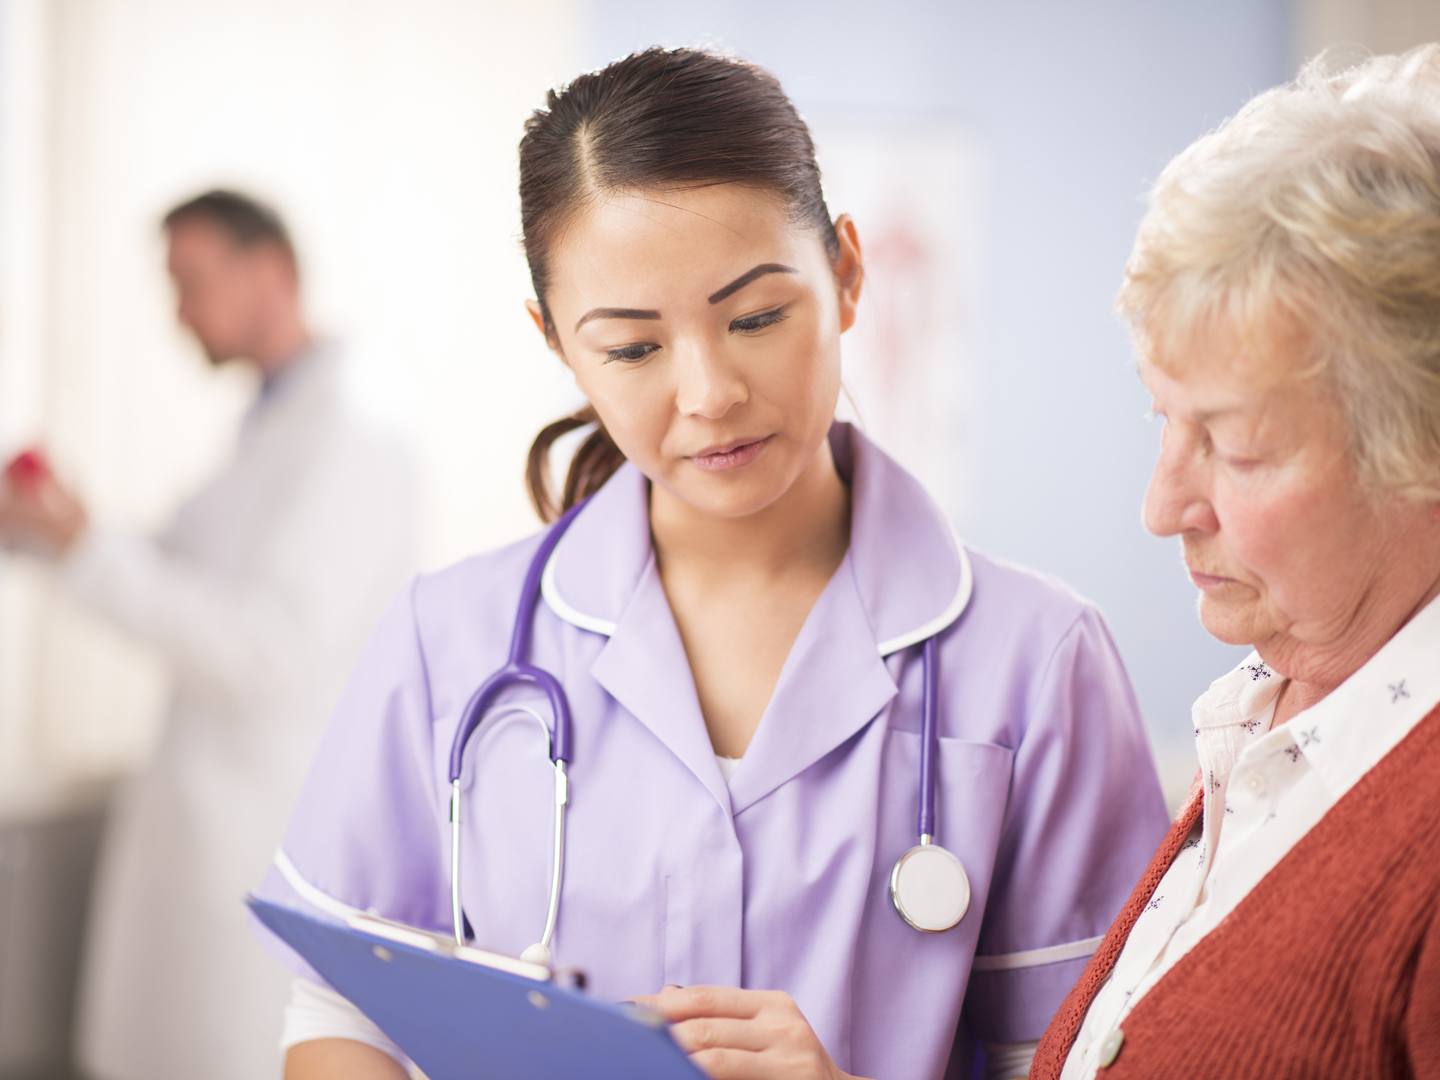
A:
(717, 1033)
(730, 1064)
(743, 1034)
(676, 1003)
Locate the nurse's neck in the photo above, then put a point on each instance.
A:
(805, 530)
(741, 588)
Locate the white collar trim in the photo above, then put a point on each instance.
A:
(557, 603)
(551, 592)
(955, 609)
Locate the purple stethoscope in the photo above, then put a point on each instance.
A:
(928, 886)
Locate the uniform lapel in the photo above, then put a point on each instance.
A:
(833, 684)
(645, 669)
(603, 578)
(903, 580)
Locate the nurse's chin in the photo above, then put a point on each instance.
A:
(731, 495)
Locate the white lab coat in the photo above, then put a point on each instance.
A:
(260, 594)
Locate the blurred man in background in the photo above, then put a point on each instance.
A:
(260, 594)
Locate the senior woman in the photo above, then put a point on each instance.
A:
(1284, 291)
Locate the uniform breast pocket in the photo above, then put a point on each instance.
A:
(972, 791)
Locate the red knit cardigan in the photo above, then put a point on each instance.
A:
(1329, 968)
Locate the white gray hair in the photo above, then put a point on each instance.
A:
(1320, 201)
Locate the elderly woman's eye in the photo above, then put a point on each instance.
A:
(751, 323)
(630, 354)
(1238, 461)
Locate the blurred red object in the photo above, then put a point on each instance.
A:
(27, 468)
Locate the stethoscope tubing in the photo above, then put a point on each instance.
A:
(516, 670)
(519, 672)
(929, 739)
(557, 868)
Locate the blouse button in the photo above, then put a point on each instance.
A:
(1255, 784)
(1110, 1047)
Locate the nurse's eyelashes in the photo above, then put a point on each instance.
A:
(630, 354)
(748, 324)
(633, 354)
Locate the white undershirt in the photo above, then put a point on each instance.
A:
(1264, 791)
(1009, 1061)
(317, 1012)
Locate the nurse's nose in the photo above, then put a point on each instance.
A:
(1177, 500)
(708, 385)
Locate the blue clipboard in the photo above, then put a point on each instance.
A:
(461, 1013)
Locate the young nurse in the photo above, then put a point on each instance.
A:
(738, 616)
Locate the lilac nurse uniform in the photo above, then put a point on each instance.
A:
(780, 878)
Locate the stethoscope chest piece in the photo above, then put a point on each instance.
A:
(930, 888)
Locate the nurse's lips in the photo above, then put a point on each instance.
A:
(730, 455)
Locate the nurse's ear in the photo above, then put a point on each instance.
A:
(849, 270)
(537, 315)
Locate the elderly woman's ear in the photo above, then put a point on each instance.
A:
(1284, 290)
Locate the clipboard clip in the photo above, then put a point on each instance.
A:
(416, 938)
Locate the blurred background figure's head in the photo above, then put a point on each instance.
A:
(236, 277)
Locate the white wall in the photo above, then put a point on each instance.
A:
(386, 131)
(1358, 27)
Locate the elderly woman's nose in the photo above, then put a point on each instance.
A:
(707, 385)
(1176, 501)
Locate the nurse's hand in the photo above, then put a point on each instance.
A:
(743, 1034)
(340, 1059)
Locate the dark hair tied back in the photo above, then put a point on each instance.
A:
(658, 119)
(595, 461)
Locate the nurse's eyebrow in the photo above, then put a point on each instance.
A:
(745, 279)
(615, 313)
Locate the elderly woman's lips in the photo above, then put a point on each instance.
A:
(1209, 581)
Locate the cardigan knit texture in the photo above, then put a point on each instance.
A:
(1329, 969)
